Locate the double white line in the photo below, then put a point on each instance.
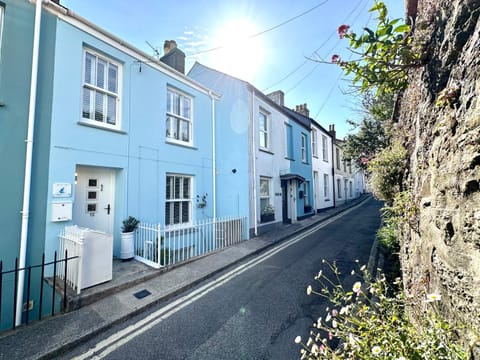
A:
(112, 343)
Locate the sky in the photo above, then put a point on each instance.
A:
(271, 44)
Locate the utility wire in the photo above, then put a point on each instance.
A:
(265, 31)
(315, 52)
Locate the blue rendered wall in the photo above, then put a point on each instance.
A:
(232, 146)
(302, 168)
(139, 152)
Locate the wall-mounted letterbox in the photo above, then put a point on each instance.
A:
(62, 211)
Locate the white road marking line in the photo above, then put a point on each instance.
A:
(112, 343)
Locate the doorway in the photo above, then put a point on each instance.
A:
(94, 198)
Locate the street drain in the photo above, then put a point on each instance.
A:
(142, 293)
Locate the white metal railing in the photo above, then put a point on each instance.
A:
(158, 246)
(72, 240)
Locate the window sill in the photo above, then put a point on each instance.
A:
(315, 156)
(289, 158)
(266, 151)
(101, 127)
(184, 145)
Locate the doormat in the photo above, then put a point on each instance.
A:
(142, 293)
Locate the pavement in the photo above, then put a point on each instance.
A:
(103, 307)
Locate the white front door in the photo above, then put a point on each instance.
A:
(94, 198)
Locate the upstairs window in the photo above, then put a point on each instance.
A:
(263, 130)
(324, 148)
(288, 141)
(304, 148)
(179, 117)
(314, 143)
(337, 158)
(101, 97)
(178, 197)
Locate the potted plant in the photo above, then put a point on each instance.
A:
(129, 225)
(268, 214)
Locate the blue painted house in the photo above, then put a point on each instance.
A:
(117, 133)
(264, 156)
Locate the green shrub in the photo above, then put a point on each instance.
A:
(369, 321)
(386, 172)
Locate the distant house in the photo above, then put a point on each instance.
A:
(268, 145)
(321, 165)
(117, 133)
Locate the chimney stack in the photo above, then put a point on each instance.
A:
(278, 97)
(173, 56)
(302, 109)
(332, 132)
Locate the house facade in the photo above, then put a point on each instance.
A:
(271, 143)
(117, 133)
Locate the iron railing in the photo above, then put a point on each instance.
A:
(39, 279)
(158, 246)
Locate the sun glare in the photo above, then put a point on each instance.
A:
(240, 55)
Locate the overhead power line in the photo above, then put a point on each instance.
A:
(265, 31)
(315, 52)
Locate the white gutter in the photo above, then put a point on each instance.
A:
(28, 162)
(214, 160)
(254, 164)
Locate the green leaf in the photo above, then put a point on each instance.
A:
(402, 28)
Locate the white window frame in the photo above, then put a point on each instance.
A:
(288, 141)
(324, 148)
(314, 143)
(264, 132)
(326, 185)
(337, 158)
(265, 196)
(304, 148)
(306, 199)
(181, 199)
(105, 92)
(176, 119)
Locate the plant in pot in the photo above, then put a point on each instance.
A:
(268, 214)
(129, 226)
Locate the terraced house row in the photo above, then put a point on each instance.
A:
(103, 131)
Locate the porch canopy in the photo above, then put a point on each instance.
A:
(292, 176)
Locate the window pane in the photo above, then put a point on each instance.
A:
(112, 110)
(99, 106)
(176, 212)
(186, 107)
(177, 188)
(168, 194)
(169, 101)
(264, 187)
(168, 213)
(101, 65)
(87, 101)
(185, 130)
(185, 211)
(112, 78)
(262, 121)
(186, 188)
(175, 109)
(89, 68)
(168, 126)
(263, 204)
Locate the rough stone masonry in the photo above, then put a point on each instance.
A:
(440, 121)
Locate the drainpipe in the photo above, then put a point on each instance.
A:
(214, 161)
(254, 164)
(28, 161)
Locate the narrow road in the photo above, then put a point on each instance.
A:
(255, 314)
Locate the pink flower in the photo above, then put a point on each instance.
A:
(335, 58)
(342, 30)
(364, 160)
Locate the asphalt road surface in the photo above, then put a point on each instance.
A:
(252, 311)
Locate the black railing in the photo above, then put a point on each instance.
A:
(58, 289)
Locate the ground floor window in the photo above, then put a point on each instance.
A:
(178, 203)
(267, 212)
(326, 189)
(339, 189)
